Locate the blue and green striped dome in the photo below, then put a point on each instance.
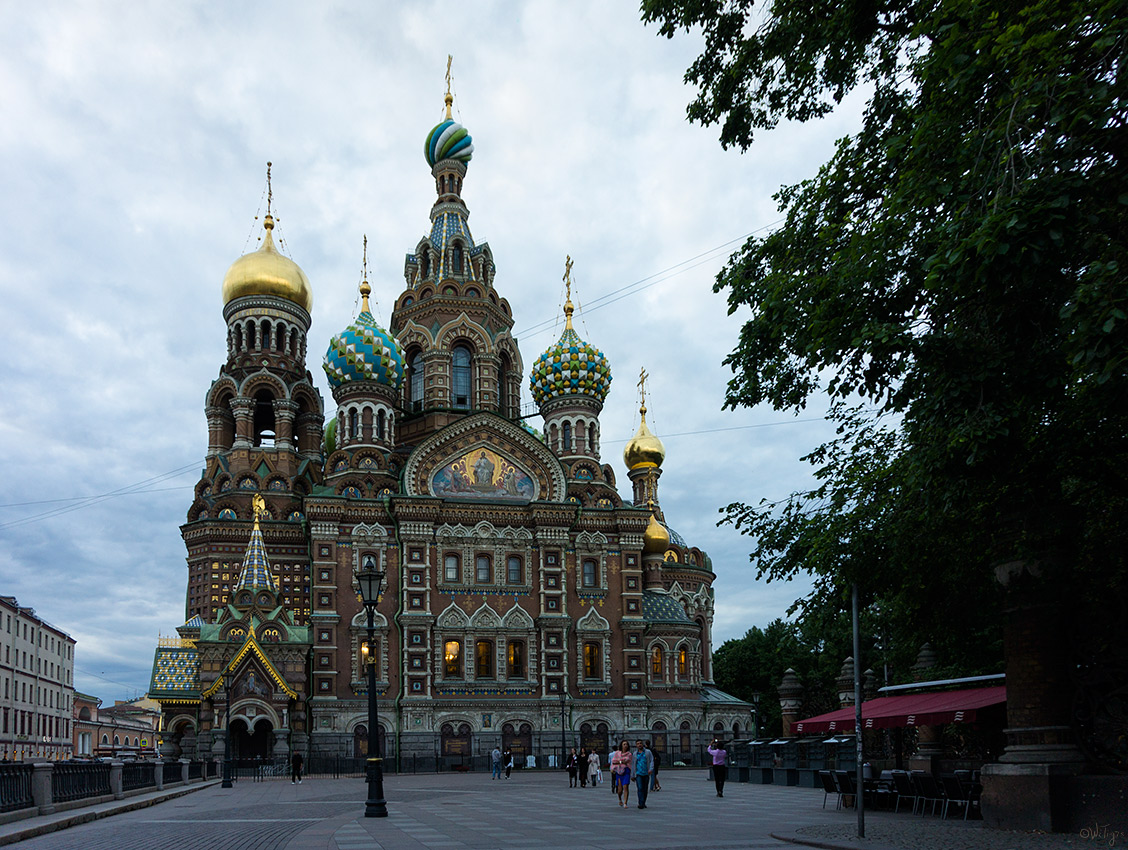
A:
(364, 352)
(448, 140)
(571, 367)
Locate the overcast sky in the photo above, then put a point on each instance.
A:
(134, 138)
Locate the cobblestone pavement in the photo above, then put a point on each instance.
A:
(533, 810)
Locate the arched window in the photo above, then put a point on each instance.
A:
(567, 447)
(105, 740)
(515, 657)
(265, 334)
(456, 259)
(514, 573)
(590, 573)
(657, 660)
(354, 425)
(683, 663)
(482, 569)
(416, 384)
(424, 264)
(238, 338)
(451, 568)
(381, 424)
(264, 418)
(280, 337)
(460, 377)
(452, 659)
(593, 665)
(484, 660)
(117, 741)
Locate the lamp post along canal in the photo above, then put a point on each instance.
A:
(226, 723)
(371, 581)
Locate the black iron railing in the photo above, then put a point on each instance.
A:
(138, 775)
(15, 787)
(79, 781)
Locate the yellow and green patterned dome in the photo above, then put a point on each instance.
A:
(364, 351)
(571, 367)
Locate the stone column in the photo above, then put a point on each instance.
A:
(116, 780)
(790, 700)
(929, 746)
(1027, 789)
(284, 413)
(41, 792)
(244, 410)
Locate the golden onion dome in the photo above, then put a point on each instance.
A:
(266, 272)
(655, 540)
(643, 449)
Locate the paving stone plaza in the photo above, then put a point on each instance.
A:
(534, 809)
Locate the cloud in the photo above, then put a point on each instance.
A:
(135, 141)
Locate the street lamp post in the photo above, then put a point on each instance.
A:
(370, 580)
(563, 740)
(226, 723)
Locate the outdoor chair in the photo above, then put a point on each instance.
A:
(955, 793)
(847, 787)
(829, 787)
(927, 790)
(905, 789)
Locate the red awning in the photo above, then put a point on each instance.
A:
(908, 710)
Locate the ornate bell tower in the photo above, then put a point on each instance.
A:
(265, 420)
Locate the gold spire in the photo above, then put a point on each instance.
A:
(449, 97)
(365, 289)
(568, 308)
(643, 449)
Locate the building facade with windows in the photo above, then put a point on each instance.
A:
(526, 601)
(36, 685)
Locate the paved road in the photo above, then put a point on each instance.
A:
(534, 810)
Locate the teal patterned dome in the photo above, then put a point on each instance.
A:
(364, 352)
(571, 367)
(448, 140)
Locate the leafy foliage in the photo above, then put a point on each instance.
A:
(956, 269)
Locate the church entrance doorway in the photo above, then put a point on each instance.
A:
(252, 744)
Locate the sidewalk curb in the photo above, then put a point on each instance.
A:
(53, 823)
(804, 841)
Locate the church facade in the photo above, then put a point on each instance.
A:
(526, 603)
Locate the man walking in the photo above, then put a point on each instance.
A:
(643, 760)
(296, 768)
(495, 761)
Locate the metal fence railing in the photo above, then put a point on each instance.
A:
(15, 787)
(77, 781)
(138, 775)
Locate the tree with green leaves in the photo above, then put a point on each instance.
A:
(953, 278)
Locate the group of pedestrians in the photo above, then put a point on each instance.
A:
(501, 761)
(641, 765)
(583, 768)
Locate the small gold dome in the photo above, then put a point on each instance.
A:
(655, 540)
(266, 272)
(643, 449)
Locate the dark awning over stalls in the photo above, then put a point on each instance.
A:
(908, 710)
